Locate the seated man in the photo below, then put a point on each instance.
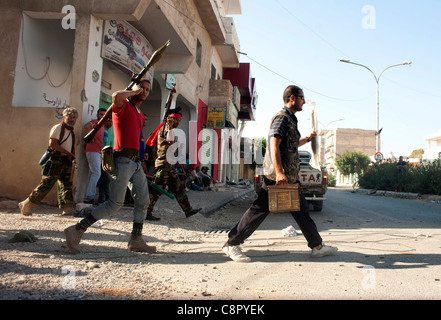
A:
(205, 178)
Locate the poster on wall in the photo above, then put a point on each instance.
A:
(126, 46)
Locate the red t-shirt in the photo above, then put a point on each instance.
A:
(127, 126)
(97, 142)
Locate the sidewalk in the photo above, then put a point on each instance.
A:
(209, 201)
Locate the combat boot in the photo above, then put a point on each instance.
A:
(25, 207)
(73, 238)
(67, 210)
(137, 244)
(192, 212)
(151, 217)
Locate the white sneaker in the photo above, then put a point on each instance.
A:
(235, 253)
(323, 251)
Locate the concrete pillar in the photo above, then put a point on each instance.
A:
(86, 87)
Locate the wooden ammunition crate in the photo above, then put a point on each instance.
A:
(283, 198)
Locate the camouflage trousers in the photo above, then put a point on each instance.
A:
(168, 177)
(55, 171)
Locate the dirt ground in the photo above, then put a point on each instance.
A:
(105, 269)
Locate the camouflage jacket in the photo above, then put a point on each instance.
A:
(162, 147)
(284, 124)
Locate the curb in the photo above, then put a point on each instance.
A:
(404, 195)
(401, 195)
(207, 211)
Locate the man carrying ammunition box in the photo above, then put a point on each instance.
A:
(282, 166)
(127, 121)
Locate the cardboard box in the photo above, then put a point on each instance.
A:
(283, 198)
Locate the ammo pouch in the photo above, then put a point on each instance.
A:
(108, 162)
(46, 156)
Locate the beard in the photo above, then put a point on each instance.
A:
(138, 98)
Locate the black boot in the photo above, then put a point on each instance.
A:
(151, 217)
(192, 212)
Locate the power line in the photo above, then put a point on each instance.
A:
(310, 29)
(293, 82)
(260, 64)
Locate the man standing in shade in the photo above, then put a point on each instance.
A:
(284, 138)
(93, 156)
(127, 121)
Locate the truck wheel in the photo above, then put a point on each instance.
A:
(317, 205)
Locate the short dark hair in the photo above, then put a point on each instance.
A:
(289, 91)
(101, 109)
(145, 79)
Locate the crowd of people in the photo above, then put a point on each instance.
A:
(135, 164)
(195, 178)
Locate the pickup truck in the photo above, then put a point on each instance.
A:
(314, 182)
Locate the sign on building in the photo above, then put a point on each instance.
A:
(126, 46)
(232, 114)
(216, 117)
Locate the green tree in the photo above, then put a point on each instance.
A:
(352, 162)
(417, 153)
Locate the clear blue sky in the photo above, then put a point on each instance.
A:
(302, 42)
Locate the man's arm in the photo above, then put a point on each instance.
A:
(307, 139)
(53, 143)
(118, 97)
(277, 160)
(88, 127)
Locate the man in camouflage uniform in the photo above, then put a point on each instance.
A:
(58, 168)
(166, 174)
(281, 167)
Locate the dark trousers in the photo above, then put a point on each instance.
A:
(259, 210)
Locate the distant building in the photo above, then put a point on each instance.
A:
(337, 142)
(433, 150)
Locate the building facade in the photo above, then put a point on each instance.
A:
(433, 150)
(57, 55)
(337, 142)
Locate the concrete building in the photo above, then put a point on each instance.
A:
(337, 142)
(433, 151)
(57, 54)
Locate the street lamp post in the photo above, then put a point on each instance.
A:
(377, 80)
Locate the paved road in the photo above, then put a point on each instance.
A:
(388, 249)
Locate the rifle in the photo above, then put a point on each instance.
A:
(167, 108)
(159, 189)
(135, 80)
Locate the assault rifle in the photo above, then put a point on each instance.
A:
(167, 110)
